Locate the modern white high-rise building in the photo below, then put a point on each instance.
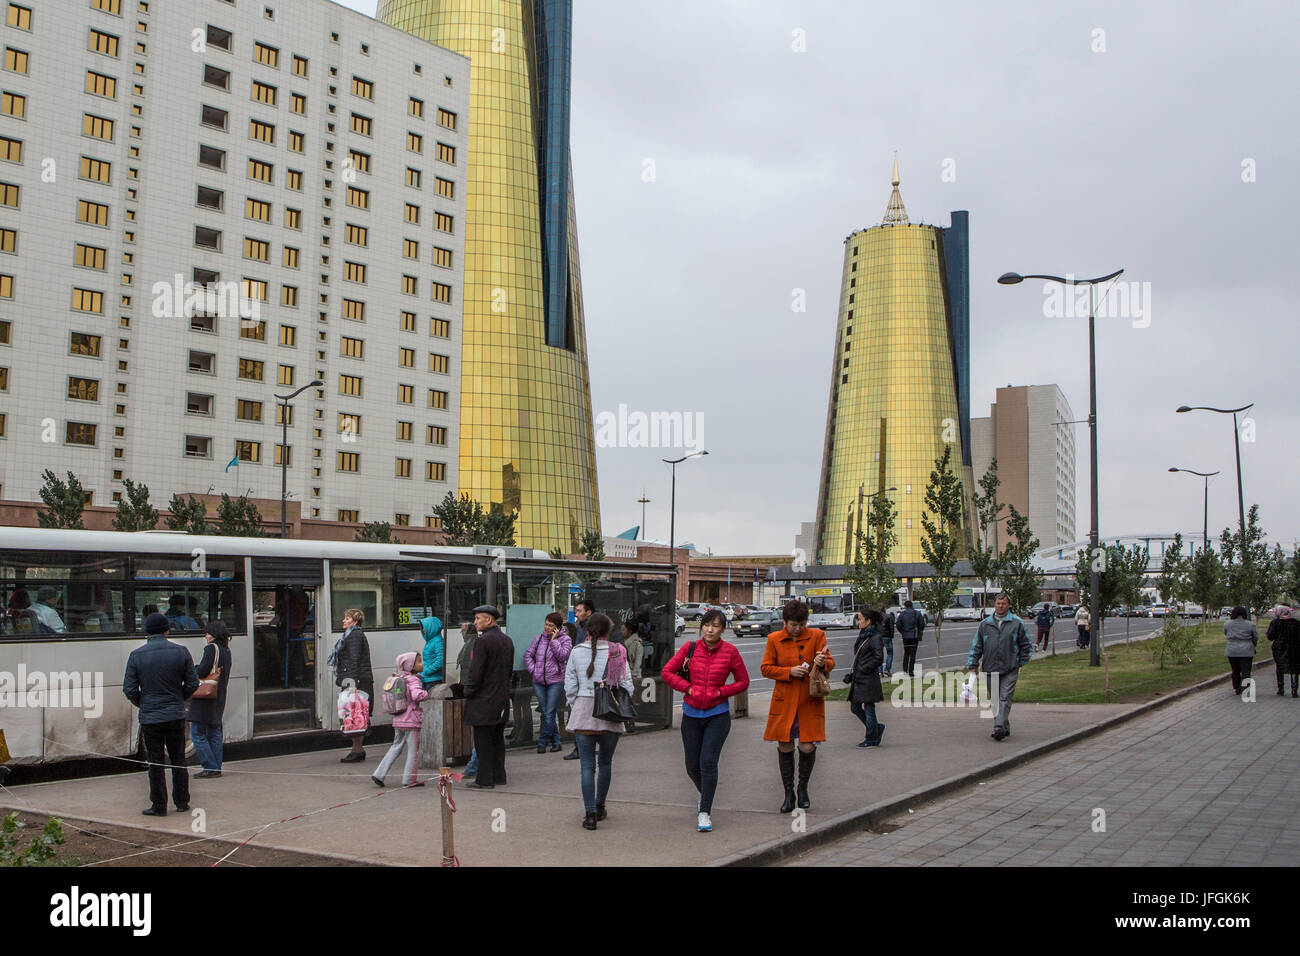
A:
(1036, 458)
(305, 166)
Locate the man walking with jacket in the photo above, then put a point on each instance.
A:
(487, 697)
(1044, 620)
(1000, 646)
(911, 625)
(159, 678)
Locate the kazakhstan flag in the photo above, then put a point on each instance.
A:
(233, 463)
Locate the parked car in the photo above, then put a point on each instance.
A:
(1066, 610)
(1159, 610)
(1190, 609)
(692, 611)
(758, 624)
(680, 625)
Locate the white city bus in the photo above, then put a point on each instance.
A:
(283, 601)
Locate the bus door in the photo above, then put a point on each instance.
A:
(286, 644)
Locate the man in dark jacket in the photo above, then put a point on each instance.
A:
(887, 626)
(487, 696)
(159, 678)
(911, 625)
(1001, 646)
(1044, 619)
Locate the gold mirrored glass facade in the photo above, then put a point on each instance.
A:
(894, 385)
(526, 436)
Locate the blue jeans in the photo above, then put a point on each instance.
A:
(207, 744)
(889, 658)
(867, 714)
(702, 740)
(596, 788)
(471, 768)
(548, 701)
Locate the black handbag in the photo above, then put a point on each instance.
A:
(612, 702)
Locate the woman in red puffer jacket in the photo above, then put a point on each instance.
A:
(706, 715)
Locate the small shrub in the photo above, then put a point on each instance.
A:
(39, 851)
(1174, 642)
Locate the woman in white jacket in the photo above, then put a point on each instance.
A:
(1083, 623)
(589, 662)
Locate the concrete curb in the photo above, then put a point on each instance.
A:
(774, 851)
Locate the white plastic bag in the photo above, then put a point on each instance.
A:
(970, 690)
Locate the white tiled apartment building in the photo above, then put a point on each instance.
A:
(307, 162)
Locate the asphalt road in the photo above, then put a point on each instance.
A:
(955, 643)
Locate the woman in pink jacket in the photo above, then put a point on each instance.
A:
(706, 714)
(545, 659)
(406, 725)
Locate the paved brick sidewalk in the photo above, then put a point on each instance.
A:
(1209, 780)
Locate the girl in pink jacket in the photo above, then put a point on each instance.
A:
(406, 725)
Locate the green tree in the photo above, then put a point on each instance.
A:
(498, 527)
(1173, 643)
(65, 501)
(375, 532)
(465, 523)
(1205, 582)
(1021, 579)
(189, 515)
(985, 558)
(1172, 582)
(1245, 563)
(239, 518)
(134, 513)
(593, 546)
(941, 522)
(1291, 584)
(1133, 576)
(872, 576)
(1110, 583)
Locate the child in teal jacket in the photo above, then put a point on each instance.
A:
(434, 644)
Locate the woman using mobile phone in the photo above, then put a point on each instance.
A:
(794, 715)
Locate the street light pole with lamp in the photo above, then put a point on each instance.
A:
(1207, 475)
(284, 450)
(874, 494)
(1236, 437)
(1094, 580)
(672, 526)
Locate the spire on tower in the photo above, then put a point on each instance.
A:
(895, 213)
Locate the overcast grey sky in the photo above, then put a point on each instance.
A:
(1068, 159)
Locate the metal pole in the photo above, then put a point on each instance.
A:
(1241, 500)
(284, 466)
(1094, 534)
(672, 531)
(1205, 527)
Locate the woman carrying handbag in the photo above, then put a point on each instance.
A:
(798, 660)
(208, 703)
(864, 676)
(588, 662)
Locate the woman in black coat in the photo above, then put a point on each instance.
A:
(866, 691)
(205, 714)
(1284, 632)
(352, 662)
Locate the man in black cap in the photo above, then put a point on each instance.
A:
(159, 679)
(487, 696)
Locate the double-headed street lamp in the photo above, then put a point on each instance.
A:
(1094, 583)
(1236, 437)
(284, 449)
(672, 523)
(1207, 475)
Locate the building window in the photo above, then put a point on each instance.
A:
(406, 394)
(285, 375)
(358, 197)
(349, 461)
(404, 431)
(87, 300)
(356, 235)
(210, 198)
(298, 104)
(441, 292)
(408, 321)
(349, 423)
(447, 153)
(415, 108)
(248, 411)
(445, 188)
(104, 43)
(446, 118)
(299, 65)
(83, 343)
(363, 88)
(12, 104)
(440, 328)
(253, 288)
(90, 257)
(354, 271)
(410, 247)
(361, 124)
(435, 435)
(437, 398)
(360, 161)
(414, 142)
(296, 141)
(413, 214)
(11, 150)
(258, 249)
(292, 218)
(251, 369)
(83, 389)
(438, 363)
(406, 357)
(218, 38)
(289, 336)
(198, 446)
(212, 158)
(352, 309)
(352, 348)
(412, 177)
(20, 17)
(261, 132)
(79, 433)
(435, 471)
(433, 523)
(100, 85)
(350, 385)
(264, 93)
(213, 117)
(250, 451)
(96, 170)
(257, 210)
(289, 296)
(403, 469)
(290, 257)
(409, 284)
(443, 222)
(266, 55)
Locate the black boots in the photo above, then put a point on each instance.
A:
(786, 761)
(806, 761)
(589, 821)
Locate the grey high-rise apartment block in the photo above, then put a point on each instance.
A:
(208, 203)
(1036, 458)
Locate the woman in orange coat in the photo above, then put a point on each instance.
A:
(790, 655)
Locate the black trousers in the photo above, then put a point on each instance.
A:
(909, 657)
(1240, 671)
(165, 744)
(490, 744)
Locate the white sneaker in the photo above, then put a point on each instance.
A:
(704, 825)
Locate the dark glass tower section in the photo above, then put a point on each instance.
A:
(553, 24)
(956, 261)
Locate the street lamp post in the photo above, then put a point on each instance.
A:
(1205, 516)
(284, 450)
(672, 528)
(874, 494)
(1094, 580)
(1236, 437)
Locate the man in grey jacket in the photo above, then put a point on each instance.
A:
(159, 679)
(1001, 646)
